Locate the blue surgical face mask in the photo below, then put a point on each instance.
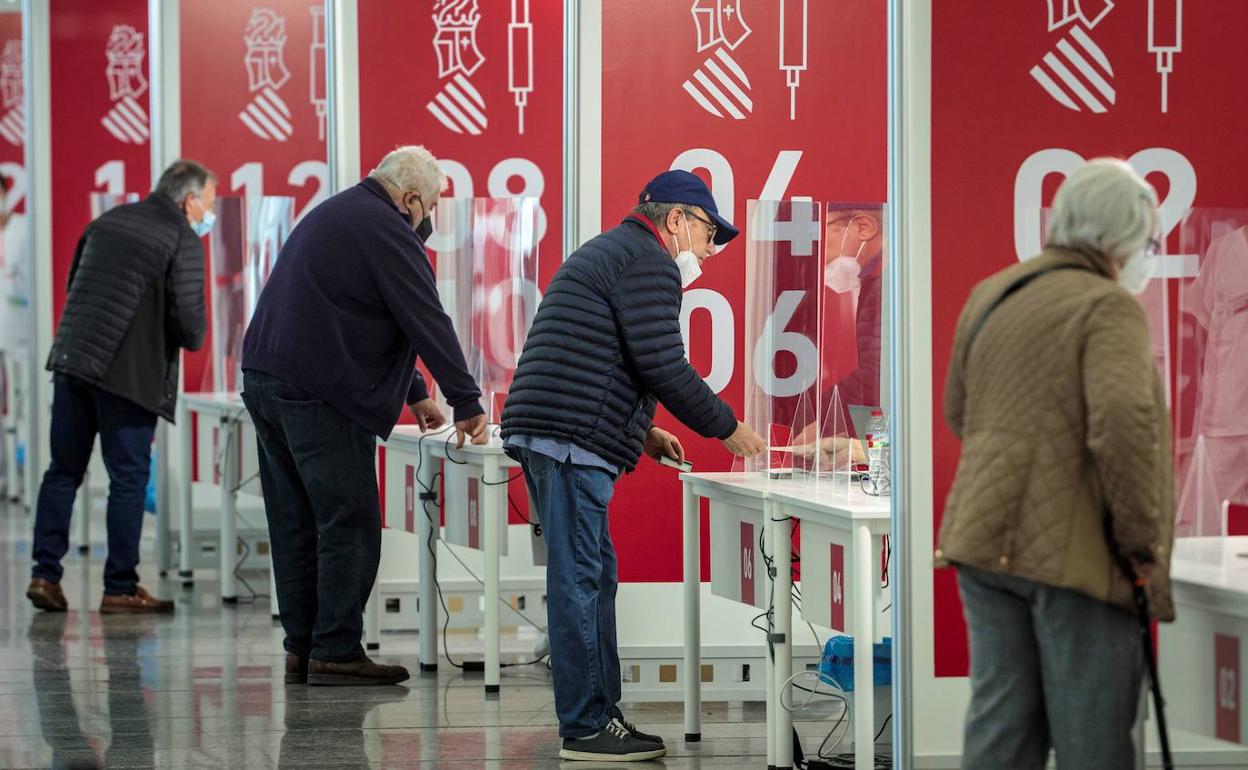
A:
(204, 226)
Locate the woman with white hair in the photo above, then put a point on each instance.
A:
(1064, 484)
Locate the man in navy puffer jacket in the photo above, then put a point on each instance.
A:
(604, 349)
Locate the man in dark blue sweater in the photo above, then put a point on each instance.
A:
(604, 349)
(328, 363)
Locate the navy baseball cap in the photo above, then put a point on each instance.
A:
(684, 187)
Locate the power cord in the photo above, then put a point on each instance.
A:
(432, 496)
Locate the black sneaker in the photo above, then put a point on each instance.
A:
(633, 731)
(614, 743)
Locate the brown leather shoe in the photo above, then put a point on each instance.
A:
(140, 603)
(46, 595)
(296, 669)
(357, 672)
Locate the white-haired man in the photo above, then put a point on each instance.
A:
(328, 363)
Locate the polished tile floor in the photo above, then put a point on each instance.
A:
(203, 688)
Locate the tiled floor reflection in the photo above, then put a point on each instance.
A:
(204, 688)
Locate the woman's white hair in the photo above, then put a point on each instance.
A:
(1105, 207)
(411, 168)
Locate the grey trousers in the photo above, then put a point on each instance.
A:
(1049, 668)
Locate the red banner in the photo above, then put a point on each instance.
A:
(101, 122)
(765, 101)
(15, 264)
(480, 83)
(253, 104)
(485, 96)
(1018, 100)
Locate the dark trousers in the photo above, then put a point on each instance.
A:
(80, 412)
(581, 583)
(318, 473)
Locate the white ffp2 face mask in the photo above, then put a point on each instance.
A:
(687, 261)
(1136, 272)
(841, 275)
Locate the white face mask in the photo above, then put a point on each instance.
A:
(841, 275)
(687, 261)
(1137, 271)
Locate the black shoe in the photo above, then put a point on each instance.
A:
(633, 731)
(613, 743)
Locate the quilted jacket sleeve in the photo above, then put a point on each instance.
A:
(184, 288)
(646, 303)
(1125, 422)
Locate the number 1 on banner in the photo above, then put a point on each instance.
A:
(112, 177)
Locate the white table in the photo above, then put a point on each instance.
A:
(858, 522)
(863, 519)
(493, 465)
(230, 413)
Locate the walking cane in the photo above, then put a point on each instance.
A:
(1150, 657)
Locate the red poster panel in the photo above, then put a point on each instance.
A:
(481, 85)
(1021, 98)
(409, 498)
(747, 563)
(1226, 672)
(253, 104)
(836, 559)
(765, 100)
(100, 101)
(15, 266)
(474, 513)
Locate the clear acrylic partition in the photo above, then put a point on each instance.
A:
(450, 251)
(784, 276)
(243, 248)
(1211, 403)
(505, 292)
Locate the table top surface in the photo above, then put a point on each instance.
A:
(410, 437)
(817, 495)
(226, 401)
(1212, 562)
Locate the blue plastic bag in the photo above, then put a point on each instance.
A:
(149, 502)
(837, 666)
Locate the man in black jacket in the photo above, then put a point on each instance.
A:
(136, 297)
(328, 363)
(604, 348)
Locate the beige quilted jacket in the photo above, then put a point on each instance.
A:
(1064, 426)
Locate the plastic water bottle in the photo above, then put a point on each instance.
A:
(878, 453)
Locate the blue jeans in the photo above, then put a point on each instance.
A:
(80, 412)
(581, 582)
(319, 477)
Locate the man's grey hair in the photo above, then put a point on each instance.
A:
(1105, 206)
(411, 168)
(183, 178)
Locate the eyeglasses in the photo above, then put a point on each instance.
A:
(711, 226)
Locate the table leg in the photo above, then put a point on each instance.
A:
(229, 511)
(863, 586)
(492, 495)
(372, 619)
(84, 514)
(427, 531)
(781, 529)
(275, 609)
(186, 511)
(692, 538)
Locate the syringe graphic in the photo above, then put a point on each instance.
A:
(793, 47)
(1165, 39)
(318, 66)
(520, 56)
